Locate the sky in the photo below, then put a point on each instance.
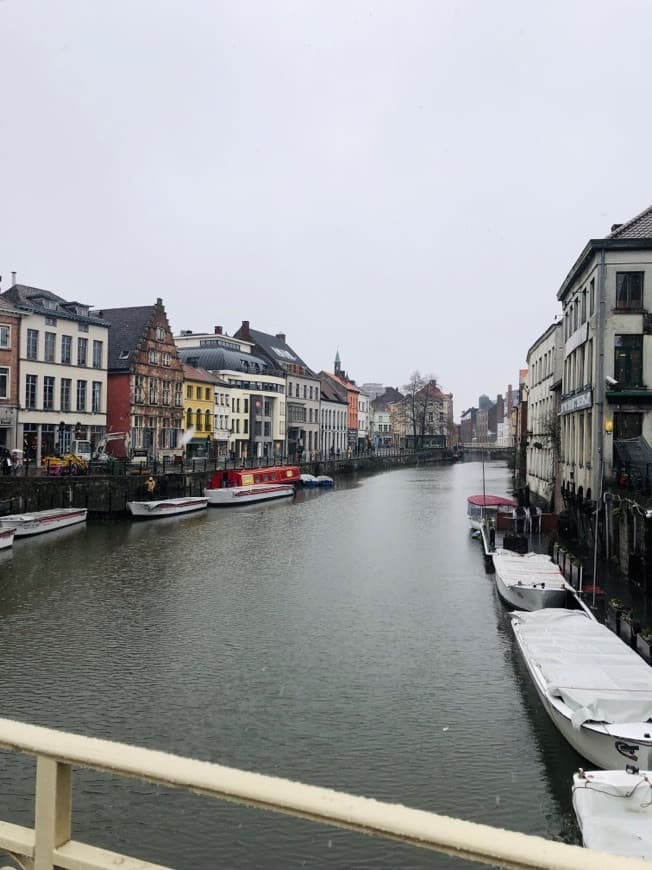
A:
(406, 182)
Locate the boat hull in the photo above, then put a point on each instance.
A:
(155, 509)
(528, 597)
(38, 522)
(530, 581)
(7, 535)
(607, 745)
(235, 496)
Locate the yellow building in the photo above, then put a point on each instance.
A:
(198, 411)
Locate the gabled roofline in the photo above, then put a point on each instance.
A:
(592, 247)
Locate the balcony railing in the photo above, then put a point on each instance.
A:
(49, 844)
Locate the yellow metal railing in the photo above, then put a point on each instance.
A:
(49, 844)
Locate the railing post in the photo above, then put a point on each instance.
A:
(53, 810)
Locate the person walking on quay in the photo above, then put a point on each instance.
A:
(150, 486)
(6, 462)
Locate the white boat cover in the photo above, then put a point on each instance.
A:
(614, 809)
(585, 664)
(528, 568)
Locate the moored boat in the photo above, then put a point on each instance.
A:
(309, 480)
(270, 474)
(37, 522)
(614, 811)
(239, 495)
(484, 508)
(532, 581)
(595, 688)
(324, 480)
(168, 507)
(7, 534)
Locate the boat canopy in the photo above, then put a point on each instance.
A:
(491, 501)
(587, 666)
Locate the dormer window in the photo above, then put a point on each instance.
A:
(160, 333)
(124, 354)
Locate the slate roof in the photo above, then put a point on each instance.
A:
(26, 297)
(215, 359)
(127, 328)
(332, 391)
(277, 349)
(639, 227)
(389, 397)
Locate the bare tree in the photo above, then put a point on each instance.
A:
(419, 401)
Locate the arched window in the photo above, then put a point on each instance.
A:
(189, 418)
(207, 421)
(199, 418)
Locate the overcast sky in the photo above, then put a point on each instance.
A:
(409, 182)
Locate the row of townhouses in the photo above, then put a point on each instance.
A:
(69, 373)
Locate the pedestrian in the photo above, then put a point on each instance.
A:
(6, 462)
(150, 486)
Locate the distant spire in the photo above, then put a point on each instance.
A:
(338, 364)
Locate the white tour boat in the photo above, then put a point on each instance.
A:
(614, 811)
(532, 581)
(37, 522)
(595, 688)
(234, 496)
(168, 507)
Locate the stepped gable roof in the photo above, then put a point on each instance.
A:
(215, 359)
(639, 227)
(46, 302)
(127, 328)
(277, 349)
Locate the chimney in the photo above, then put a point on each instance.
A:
(615, 227)
(218, 330)
(13, 278)
(244, 331)
(281, 336)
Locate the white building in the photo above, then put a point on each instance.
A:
(606, 401)
(62, 372)
(544, 361)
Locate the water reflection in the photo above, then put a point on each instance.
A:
(348, 637)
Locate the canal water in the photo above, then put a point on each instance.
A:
(348, 639)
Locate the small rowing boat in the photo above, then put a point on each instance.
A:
(168, 507)
(235, 496)
(37, 522)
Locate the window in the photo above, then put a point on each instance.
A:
(207, 421)
(627, 425)
(629, 290)
(245, 404)
(32, 344)
(198, 421)
(50, 346)
(160, 333)
(81, 395)
(166, 359)
(178, 393)
(50, 321)
(83, 327)
(189, 391)
(153, 391)
(628, 361)
(5, 337)
(267, 429)
(66, 350)
(152, 357)
(207, 393)
(4, 383)
(66, 389)
(139, 389)
(48, 393)
(96, 397)
(166, 393)
(82, 351)
(31, 383)
(98, 348)
(189, 418)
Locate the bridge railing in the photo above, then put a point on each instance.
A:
(49, 844)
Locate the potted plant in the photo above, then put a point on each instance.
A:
(614, 608)
(644, 644)
(628, 628)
